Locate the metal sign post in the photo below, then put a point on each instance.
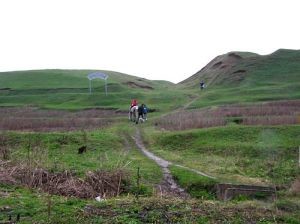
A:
(90, 84)
(105, 87)
(97, 75)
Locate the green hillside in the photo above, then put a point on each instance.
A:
(247, 77)
(235, 77)
(69, 89)
(57, 158)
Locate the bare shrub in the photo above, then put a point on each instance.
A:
(107, 183)
(32, 119)
(276, 108)
(39, 124)
(99, 183)
(39, 113)
(270, 120)
(270, 113)
(183, 120)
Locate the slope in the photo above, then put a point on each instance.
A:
(238, 77)
(69, 89)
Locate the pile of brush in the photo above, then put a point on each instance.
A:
(98, 183)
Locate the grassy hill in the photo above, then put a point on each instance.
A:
(45, 143)
(69, 89)
(235, 77)
(238, 77)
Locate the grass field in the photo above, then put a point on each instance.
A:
(235, 153)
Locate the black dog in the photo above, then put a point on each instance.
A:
(82, 149)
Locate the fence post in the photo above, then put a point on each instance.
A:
(138, 183)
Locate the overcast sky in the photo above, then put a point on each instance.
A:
(155, 39)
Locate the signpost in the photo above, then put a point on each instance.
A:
(97, 75)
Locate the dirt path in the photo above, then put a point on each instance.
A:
(195, 171)
(190, 103)
(168, 186)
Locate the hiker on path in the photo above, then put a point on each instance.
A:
(202, 85)
(145, 111)
(141, 112)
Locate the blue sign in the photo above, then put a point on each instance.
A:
(96, 75)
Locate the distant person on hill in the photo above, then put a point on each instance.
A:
(202, 85)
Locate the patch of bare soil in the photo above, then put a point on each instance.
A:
(225, 61)
(239, 71)
(168, 186)
(137, 85)
(237, 76)
(97, 183)
(216, 65)
(235, 56)
(33, 119)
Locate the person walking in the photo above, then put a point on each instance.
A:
(145, 111)
(140, 112)
(202, 85)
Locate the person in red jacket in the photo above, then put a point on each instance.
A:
(133, 114)
(133, 103)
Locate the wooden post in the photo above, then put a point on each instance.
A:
(138, 183)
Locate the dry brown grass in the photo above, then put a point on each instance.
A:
(270, 113)
(98, 183)
(188, 120)
(295, 187)
(270, 120)
(32, 119)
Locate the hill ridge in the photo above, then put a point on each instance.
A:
(233, 66)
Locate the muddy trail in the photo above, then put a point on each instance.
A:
(168, 186)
